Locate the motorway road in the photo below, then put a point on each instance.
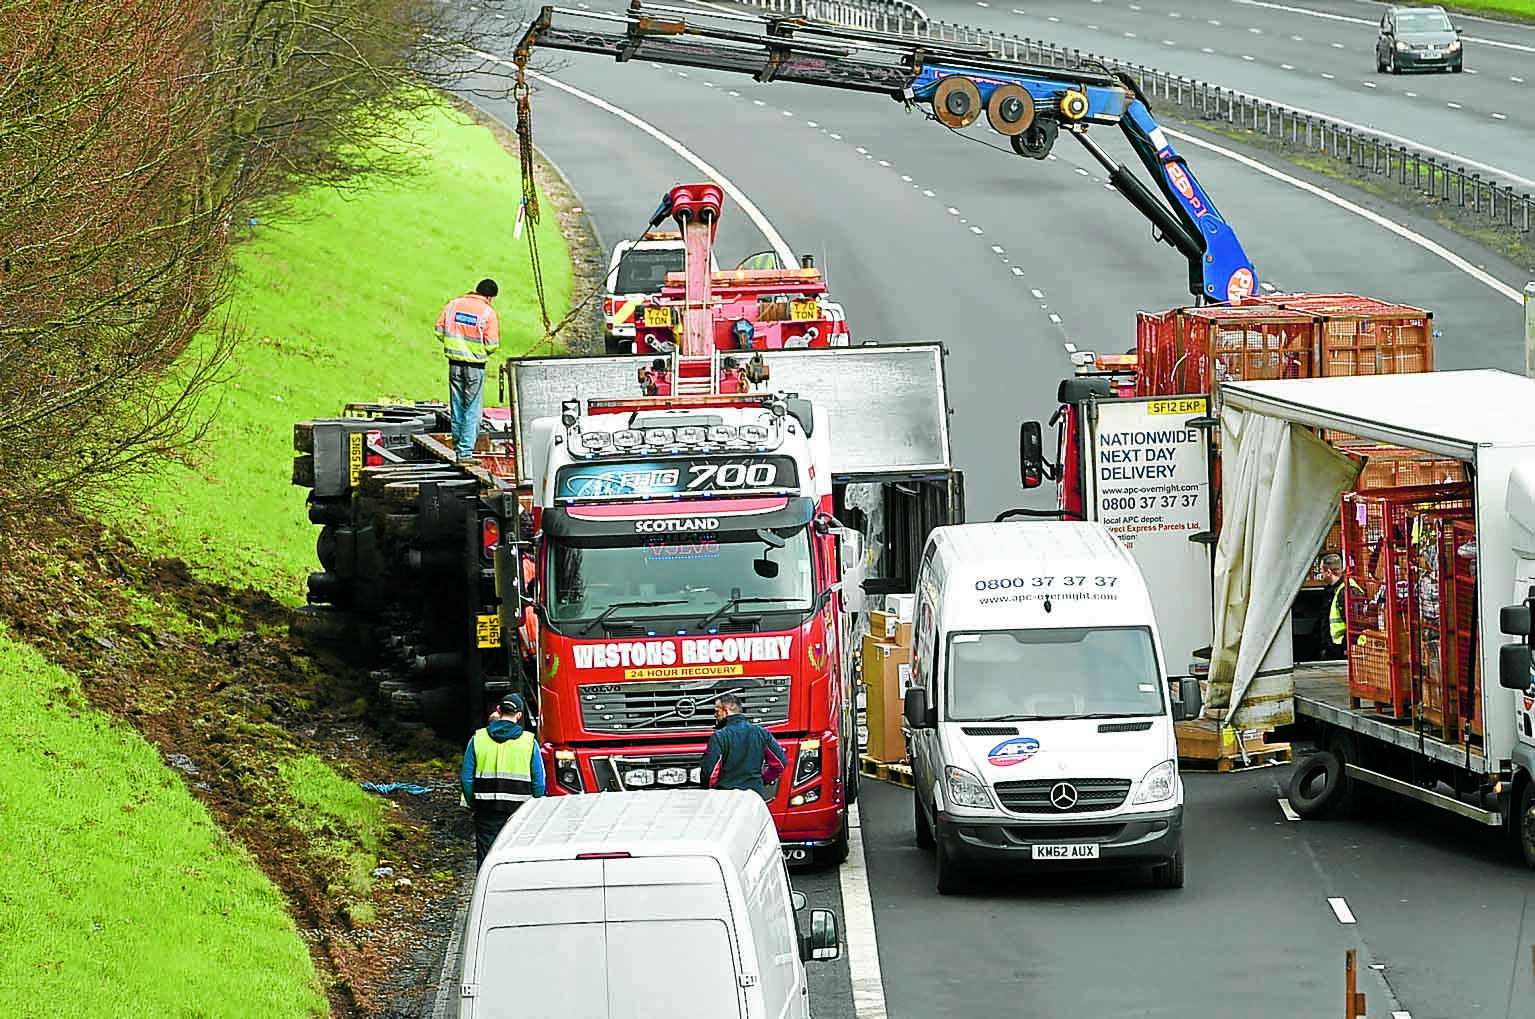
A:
(1318, 55)
(928, 236)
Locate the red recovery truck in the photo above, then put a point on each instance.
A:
(621, 559)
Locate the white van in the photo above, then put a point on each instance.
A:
(1041, 722)
(624, 905)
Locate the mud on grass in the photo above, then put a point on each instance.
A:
(208, 675)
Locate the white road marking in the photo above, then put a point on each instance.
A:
(835, 136)
(884, 162)
(1328, 76)
(860, 150)
(1433, 247)
(811, 123)
(858, 918)
(1337, 45)
(1341, 911)
(1039, 295)
(1500, 116)
(976, 230)
(1516, 79)
(928, 192)
(1401, 1015)
(1055, 318)
(752, 212)
(1410, 95)
(996, 249)
(758, 102)
(1217, 24)
(1246, 56)
(1453, 106)
(1017, 271)
(1296, 38)
(1256, 31)
(1205, 49)
(906, 178)
(786, 113)
(1287, 67)
(1364, 21)
(1368, 84)
(1289, 811)
(1129, 35)
(1168, 42)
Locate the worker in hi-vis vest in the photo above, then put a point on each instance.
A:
(1335, 639)
(502, 770)
(470, 333)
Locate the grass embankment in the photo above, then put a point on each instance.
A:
(120, 892)
(339, 307)
(122, 896)
(1517, 8)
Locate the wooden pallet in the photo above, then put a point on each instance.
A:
(1203, 746)
(894, 773)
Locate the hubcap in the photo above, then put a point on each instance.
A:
(957, 103)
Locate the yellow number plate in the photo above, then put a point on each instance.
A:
(1187, 405)
(354, 457)
(487, 630)
(804, 311)
(659, 317)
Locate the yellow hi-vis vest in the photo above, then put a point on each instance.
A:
(1338, 622)
(503, 772)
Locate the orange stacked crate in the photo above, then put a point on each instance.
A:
(1428, 620)
(1378, 546)
(1364, 336)
(1460, 653)
(1192, 350)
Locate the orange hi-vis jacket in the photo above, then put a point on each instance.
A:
(469, 329)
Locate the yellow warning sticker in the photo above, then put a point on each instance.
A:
(684, 672)
(1186, 405)
(487, 629)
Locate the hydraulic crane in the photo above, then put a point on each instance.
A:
(1029, 104)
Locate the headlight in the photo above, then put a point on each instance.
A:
(809, 764)
(567, 773)
(1402, 47)
(1160, 783)
(1453, 46)
(965, 790)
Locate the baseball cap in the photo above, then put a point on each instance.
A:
(510, 703)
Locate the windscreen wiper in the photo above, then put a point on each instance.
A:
(626, 605)
(1108, 714)
(730, 604)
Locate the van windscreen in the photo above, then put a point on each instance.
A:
(1056, 673)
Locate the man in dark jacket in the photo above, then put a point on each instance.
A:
(502, 770)
(738, 747)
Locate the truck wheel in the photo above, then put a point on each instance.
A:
(1169, 874)
(1524, 822)
(919, 822)
(321, 624)
(947, 873)
(1316, 784)
(836, 853)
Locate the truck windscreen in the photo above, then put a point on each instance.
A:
(1053, 673)
(696, 573)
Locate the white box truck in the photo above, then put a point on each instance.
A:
(1281, 488)
(622, 905)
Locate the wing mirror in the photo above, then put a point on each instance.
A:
(1188, 703)
(1514, 663)
(915, 708)
(824, 942)
(1031, 454)
(798, 900)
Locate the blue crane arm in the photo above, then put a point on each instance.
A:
(1029, 104)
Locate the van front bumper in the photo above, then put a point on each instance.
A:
(1127, 840)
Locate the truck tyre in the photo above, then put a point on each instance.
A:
(1316, 784)
(919, 822)
(1169, 874)
(1524, 823)
(317, 623)
(836, 854)
(947, 873)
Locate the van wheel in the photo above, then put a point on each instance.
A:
(835, 854)
(1169, 874)
(919, 822)
(1316, 784)
(947, 875)
(1524, 824)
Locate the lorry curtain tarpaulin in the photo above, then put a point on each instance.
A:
(1279, 492)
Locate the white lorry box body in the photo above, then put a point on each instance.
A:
(1049, 734)
(623, 905)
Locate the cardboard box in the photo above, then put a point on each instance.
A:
(886, 677)
(887, 627)
(902, 606)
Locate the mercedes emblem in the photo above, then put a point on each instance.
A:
(1063, 795)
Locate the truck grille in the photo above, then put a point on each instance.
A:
(1034, 796)
(679, 705)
